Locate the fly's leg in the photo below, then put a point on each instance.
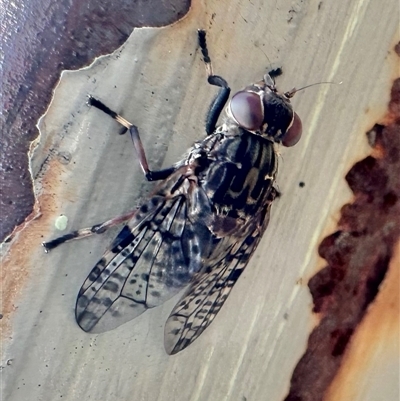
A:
(149, 174)
(87, 232)
(137, 143)
(220, 100)
(276, 72)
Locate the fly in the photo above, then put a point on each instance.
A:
(201, 224)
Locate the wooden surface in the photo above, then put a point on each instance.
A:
(86, 171)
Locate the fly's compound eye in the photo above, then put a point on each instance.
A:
(247, 110)
(293, 134)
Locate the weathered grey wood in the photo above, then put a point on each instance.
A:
(157, 81)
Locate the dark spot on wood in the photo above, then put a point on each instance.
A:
(390, 199)
(341, 339)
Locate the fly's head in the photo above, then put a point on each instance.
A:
(261, 109)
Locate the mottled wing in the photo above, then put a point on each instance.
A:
(152, 259)
(210, 287)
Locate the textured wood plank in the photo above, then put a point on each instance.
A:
(84, 170)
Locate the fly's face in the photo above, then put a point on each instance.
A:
(261, 109)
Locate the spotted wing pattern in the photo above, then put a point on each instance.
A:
(176, 239)
(210, 288)
(152, 259)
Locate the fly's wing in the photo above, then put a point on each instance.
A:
(152, 259)
(210, 287)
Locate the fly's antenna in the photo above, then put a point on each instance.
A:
(292, 92)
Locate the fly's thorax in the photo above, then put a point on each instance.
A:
(229, 126)
(262, 110)
(240, 172)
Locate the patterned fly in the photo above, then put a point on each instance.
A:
(201, 224)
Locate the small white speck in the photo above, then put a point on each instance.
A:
(61, 222)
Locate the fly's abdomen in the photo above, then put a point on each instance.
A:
(240, 175)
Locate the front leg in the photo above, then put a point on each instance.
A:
(275, 72)
(220, 100)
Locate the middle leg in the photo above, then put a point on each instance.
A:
(137, 143)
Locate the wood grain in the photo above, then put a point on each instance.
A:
(84, 170)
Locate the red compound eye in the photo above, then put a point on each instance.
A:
(247, 110)
(293, 134)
